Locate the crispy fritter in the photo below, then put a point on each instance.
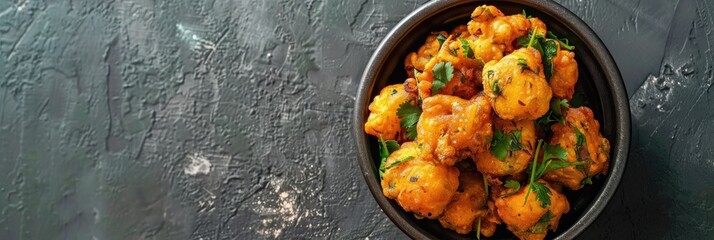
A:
(418, 60)
(594, 152)
(468, 203)
(517, 86)
(451, 128)
(383, 119)
(466, 79)
(521, 218)
(493, 28)
(420, 186)
(565, 74)
(516, 161)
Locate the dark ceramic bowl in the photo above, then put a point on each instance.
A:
(600, 82)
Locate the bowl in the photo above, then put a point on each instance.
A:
(599, 80)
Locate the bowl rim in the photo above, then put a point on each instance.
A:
(578, 27)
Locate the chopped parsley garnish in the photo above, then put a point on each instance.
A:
(554, 114)
(466, 48)
(504, 144)
(409, 114)
(513, 187)
(526, 14)
(385, 148)
(495, 88)
(489, 73)
(441, 39)
(554, 158)
(542, 225)
(547, 47)
(443, 72)
(394, 164)
(563, 41)
(522, 62)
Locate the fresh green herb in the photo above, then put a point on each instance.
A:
(504, 144)
(542, 225)
(513, 187)
(522, 62)
(453, 52)
(409, 114)
(563, 41)
(478, 229)
(466, 48)
(554, 114)
(490, 73)
(580, 136)
(441, 39)
(554, 158)
(443, 72)
(530, 42)
(385, 148)
(526, 14)
(587, 180)
(394, 91)
(578, 100)
(581, 151)
(548, 50)
(542, 193)
(495, 88)
(394, 164)
(485, 184)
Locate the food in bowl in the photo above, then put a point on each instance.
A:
(487, 129)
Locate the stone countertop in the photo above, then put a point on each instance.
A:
(218, 119)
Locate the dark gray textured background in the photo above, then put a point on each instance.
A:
(220, 119)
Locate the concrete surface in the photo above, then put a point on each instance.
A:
(220, 119)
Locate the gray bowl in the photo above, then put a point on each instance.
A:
(600, 82)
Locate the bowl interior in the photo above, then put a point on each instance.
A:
(591, 84)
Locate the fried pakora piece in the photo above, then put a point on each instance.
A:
(581, 138)
(517, 86)
(565, 74)
(418, 60)
(538, 26)
(468, 203)
(420, 186)
(451, 128)
(519, 138)
(383, 120)
(496, 33)
(464, 71)
(526, 218)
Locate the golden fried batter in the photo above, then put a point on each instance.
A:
(517, 161)
(493, 28)
(594, 152)
(521, 219)
(468, 203)
(451, 128)
(538, 26)
(418, 60)
(517, 86)
(419, 186)
(565, 74)
(383, 119)
(466, 77)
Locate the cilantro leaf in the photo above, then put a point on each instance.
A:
(499, 145)
(542, 193)
(554, 114)
(513, 187)
(453, 52)
(441, 39)
(504, 144)
(495, 88)
(542, 225)
(394, 164)
(478, 229)
(515, 136)
(554, 152)
(581, 138)
(409, 114)
(385, 148)
(526, 14)
(550, 50)
(443, 72)
(522, 62)
(489, 73)
(466, 48)
(563, 41)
